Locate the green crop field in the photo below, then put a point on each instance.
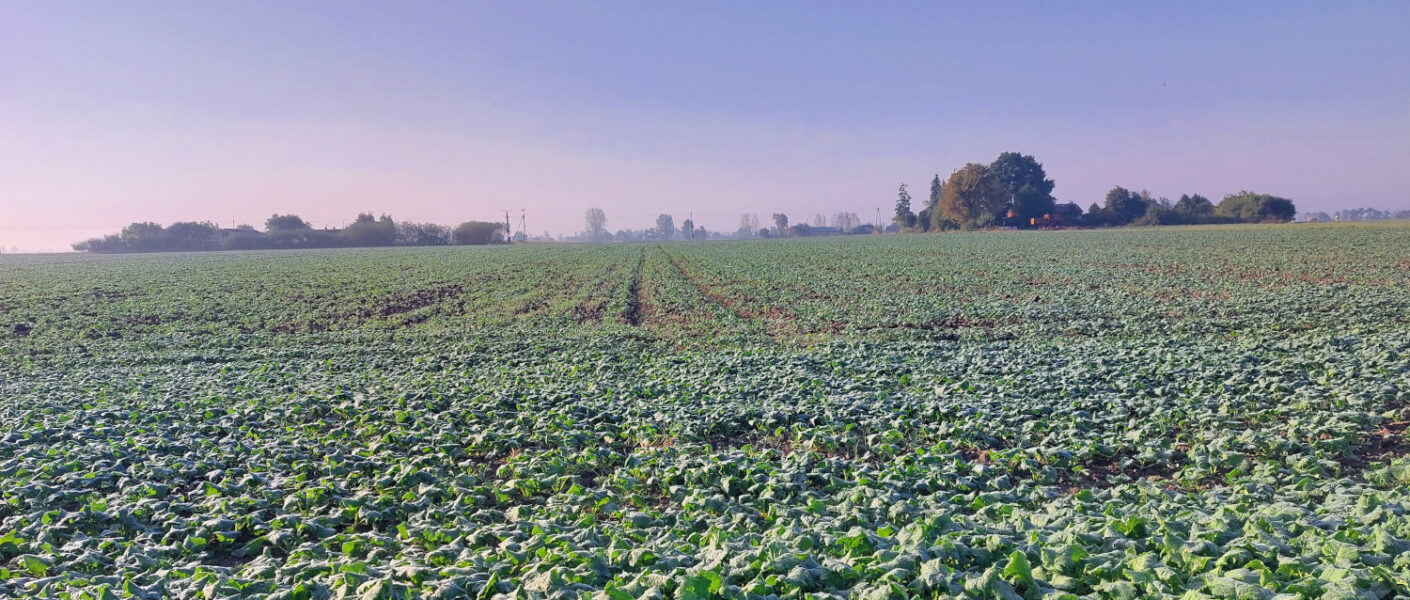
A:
(1138, 413)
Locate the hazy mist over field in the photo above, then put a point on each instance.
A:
(549, 300)
(112, 113)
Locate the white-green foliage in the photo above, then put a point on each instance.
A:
(1179, 414)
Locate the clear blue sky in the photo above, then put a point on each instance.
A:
(112, 112)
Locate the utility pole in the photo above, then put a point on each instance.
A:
(523, 226)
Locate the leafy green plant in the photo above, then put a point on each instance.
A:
(881, 417)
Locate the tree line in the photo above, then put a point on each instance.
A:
(291, 231)
(842, 223)
(665, 230)
(1012, 191)
(1015, 191)
(1359, 214)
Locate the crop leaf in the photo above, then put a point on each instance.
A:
(1019, 571)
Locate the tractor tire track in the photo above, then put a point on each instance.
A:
(778, 324)
(631, 314)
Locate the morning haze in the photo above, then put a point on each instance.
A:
(883, 300)
(112, 113)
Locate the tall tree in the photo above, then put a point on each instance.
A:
(666, 227)
(1123, 206)
(748, 226)
(1014, 172)
(932, 204)
(596, 224)
(781, 224)
(971, 197)
(903, 218)
(1193, 206)
(688, 230)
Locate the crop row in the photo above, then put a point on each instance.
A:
(1168, 414)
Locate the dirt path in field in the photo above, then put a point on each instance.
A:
(780, 325)
(632, 314)
(664, 311)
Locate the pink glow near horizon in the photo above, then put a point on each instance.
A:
(110, 115)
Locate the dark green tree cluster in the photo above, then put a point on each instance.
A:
(366, 231)
(932, 204)
(185, 236)
(1125, 207)
(289, 231)
(424, 234)
(478, 233)
(1014, 189)
(904, 218)
(1024, 185)
(1249, 207)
